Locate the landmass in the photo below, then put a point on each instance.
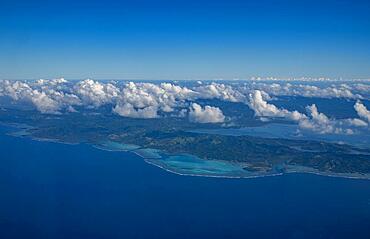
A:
(202, 154)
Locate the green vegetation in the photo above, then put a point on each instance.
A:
(171, 135)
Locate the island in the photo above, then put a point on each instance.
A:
(173, 144)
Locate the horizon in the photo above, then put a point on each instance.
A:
(297, 79)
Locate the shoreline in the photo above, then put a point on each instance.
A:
(257, 176)
(149, 161)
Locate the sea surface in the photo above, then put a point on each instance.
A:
(54, 190)
(291, 131)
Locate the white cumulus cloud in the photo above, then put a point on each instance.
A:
(314, 121)
(262, 108)
(362, 111)
(95, 93)
(152, 100)
(208, 114)
(128, 110)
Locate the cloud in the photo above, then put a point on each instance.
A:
(319, 122)
(149, 100)
(145, 100)
(219, 91)
(307, 79)
(44, 103)
(128, 110)
(305, 90)
(357, 122)
(16, 90)
(363, 88)
(262, 108)
(208, 114)
(41, 94)
(314, 121)
(362, 111)
(95, 93)
(52, 82)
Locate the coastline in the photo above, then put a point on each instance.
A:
(150, 160)
(260, 176)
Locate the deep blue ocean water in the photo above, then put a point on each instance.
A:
(51, 190)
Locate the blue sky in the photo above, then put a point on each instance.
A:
(184, 39)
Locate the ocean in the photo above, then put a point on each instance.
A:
(54, 190)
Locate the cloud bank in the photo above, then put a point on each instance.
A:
(154, 100)
(314, 120)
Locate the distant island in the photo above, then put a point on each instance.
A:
(173, 144)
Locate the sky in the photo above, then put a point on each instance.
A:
(184, 39)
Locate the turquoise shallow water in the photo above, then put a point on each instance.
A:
(184, 164)
(148, 153)
(115, 146)
(52, 190)
(191, 165)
